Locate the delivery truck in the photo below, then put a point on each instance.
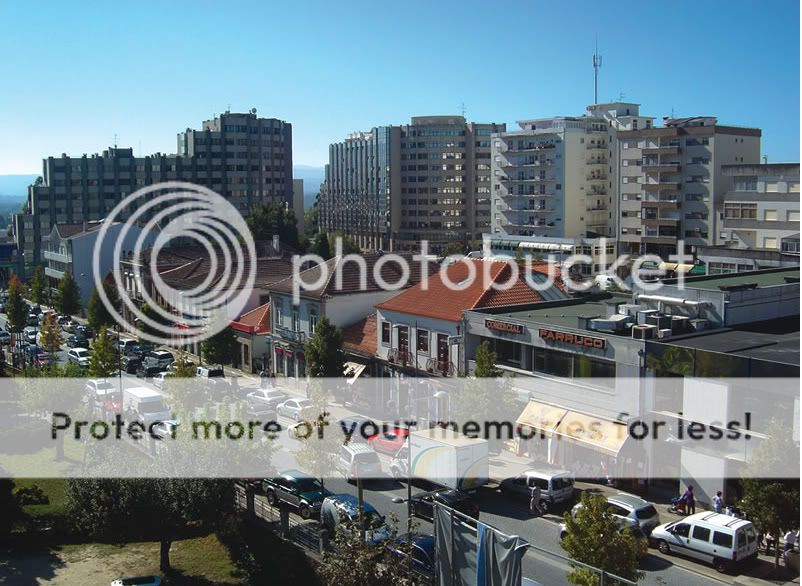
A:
(444, 457)
(145, 404)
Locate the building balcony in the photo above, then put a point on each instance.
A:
(596, 146)
(290, 335)
(663, 150)
(56, 256)
(526, 179)
(596, 161)
(529, 148)
(525, 195)
(401, 356)
(507, 164)
(597, 177)
(597, 191)
(658, 221)
(597, 208)
(661, 168)
(520, 224)
(662, 186)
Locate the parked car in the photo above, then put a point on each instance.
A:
(104, 396)
(5, 337)
(158, 379)
(213, 380)
(63, 320)
(631, 508)
(297, 489)
(421, 549)
(76, 341)
(85, 331)
(160, 358)
(720, 540)
(164, 429)
(423, 503)
(266, 397)
(342, 511)
(30, 334)
(126, 343)
(135, 350)
(357, 428)
(261, 412)
(79, 356)
(390, 441)
(33, 319)
(556, 486)
(296, 409)
(130, 364)
(359, 460)
(42, 360)
(144, 371)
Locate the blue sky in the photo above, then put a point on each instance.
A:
(75, 74)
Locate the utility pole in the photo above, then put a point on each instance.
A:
(597, 62)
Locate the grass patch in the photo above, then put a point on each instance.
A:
(196, 561)
(54, 489)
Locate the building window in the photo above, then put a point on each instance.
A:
(746, 184)
(740, 211)
(770, 242)
(793, 187)
(312, 321)
(279, 312)
(422, 344)
(721, 268)
(792, 216)
(770, 215)
(296, 322)
(386, 331)
(771, 187)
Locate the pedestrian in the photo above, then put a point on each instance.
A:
(263, 380)
(534, 501)
(788, 540)
(717, 502)
(690, 502)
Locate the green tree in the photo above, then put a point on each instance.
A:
(161, 508)
(38, 287)
(97, 312)
(771, 503)
(274, 219)
(320, 246)
(146, 328)
(10, 510)
(16, 309)
(324, 350)
(320, 443)
(454, 248)
(185, 395)
(51, 336)
(221, 348)
(105, 361)
(311, 222)
(594, 537)
(68, 296)
(486, 362)
(349, 245)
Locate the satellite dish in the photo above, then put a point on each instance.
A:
(253, 110)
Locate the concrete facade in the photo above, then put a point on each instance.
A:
(393, 186)
(246, 159)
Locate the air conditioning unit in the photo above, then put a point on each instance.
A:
(630, 309)
(662, 334)
(661, 321)
(698, 325)
(680, 324)
(644, 332)
(643, 315)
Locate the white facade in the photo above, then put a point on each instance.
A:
(418, 342)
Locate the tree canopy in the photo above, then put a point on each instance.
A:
(51, 334)
(274, 219)
(486, 362)
(320, 246)
(105, 361)
(324, 350)
(38, 287)
(221, 348)
(97, 312)
(67, 300)
(16, 308)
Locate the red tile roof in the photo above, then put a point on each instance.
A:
(441, 301)
(256, 321)
(360, 338)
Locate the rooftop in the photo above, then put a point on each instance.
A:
(775, 340)
(763, 278)
(440, 300)
(565, 314)
(360, 338)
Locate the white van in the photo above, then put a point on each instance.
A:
(717, 539)
(147, 404)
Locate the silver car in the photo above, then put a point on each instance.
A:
(632, 509)
(296, 409)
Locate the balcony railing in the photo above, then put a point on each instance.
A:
(401, 356)
(443, 367)
(290, 335)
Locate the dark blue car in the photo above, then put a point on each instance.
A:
(422, 550)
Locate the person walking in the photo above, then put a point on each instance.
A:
(534, 501)
(690, 502)
(717, 502)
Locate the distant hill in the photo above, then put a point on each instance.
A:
(16, 185)
(313, 177)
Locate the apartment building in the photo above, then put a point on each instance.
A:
(244, 158)
(672, 182)
(557, 177)
(393, 186)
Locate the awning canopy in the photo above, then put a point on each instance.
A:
(352, 371)
(593, 432)
(542, 417)
(675, 267)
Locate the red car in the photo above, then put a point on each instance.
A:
(389, 441)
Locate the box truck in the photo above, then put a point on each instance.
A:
(444, 457)
(147, 404)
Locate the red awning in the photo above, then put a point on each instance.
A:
(279, 350)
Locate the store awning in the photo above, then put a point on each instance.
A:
(352, 371)
(541, 417)
(596, 433)
(675, 267)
